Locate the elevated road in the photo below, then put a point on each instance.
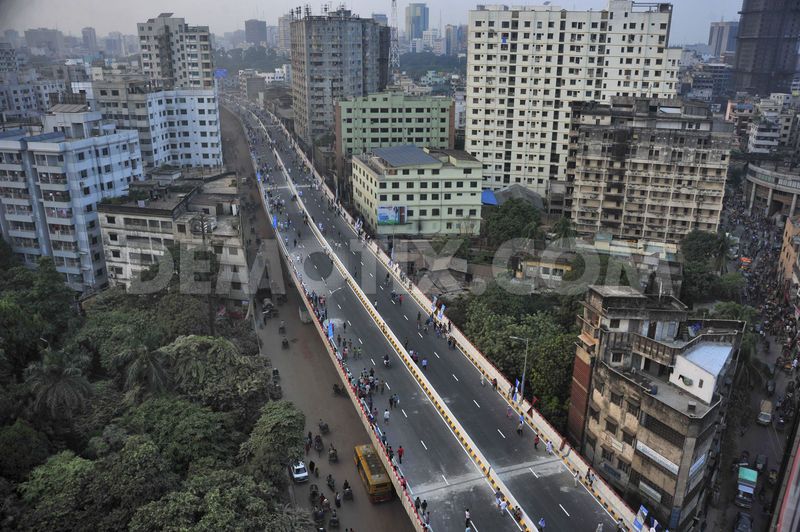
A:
(435, 464)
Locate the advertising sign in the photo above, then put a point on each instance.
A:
(388, 215)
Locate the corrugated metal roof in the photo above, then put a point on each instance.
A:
(404, 156)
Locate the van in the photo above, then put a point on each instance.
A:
(765, 413)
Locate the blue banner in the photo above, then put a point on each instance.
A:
(258, 176)
(330, 330)
(274, 221)
(221, 73)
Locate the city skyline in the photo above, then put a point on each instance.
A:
(690, 22)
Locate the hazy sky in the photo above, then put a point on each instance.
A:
(690, 20)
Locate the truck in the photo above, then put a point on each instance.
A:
(746, 487)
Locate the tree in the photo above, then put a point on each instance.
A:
(143, 371)
(721, 252)
(730, 286)
(564, 231)
(184, 431)
(698, 246)
(218, 500)
(288, 518)
(23, 448)
(182, 315)
(275, 441)
(516, 218)
(58, 385)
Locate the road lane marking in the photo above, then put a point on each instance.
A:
(370, 273)
(564, 510)
(373, 362)
(501, 434)
(454, 376)
(338, 305)
(476, 403)
(406, 317)
(445, 480)
(404, 412)
(350, 324)
(362, 262)
(420, 334)
(387, 386)
(437, 354)
(534, 472)
(422, 442)
(360, 342)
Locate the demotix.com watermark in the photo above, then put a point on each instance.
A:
(517, 266)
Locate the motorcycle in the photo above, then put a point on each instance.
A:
(331, 482)
(386, 362)
(339, 390)
(323, 427)
(318, 443)
(333, 456)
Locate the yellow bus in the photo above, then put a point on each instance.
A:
(372, 473)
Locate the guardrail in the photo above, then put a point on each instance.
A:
(464, 439)
(605, 495)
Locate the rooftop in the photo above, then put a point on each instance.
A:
(69, 108)
(617, 291)
(398, 156)
(710, 356)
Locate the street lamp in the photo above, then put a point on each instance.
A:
(524, 367)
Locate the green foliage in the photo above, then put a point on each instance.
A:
(182, 315)
(416, 65)
(58, 385)
(144, 372)
(213, 372)
(184, 431)
(276, 439)
(516, 218)
(698, 246)
(256, 57)
(729, 286)
(219, 500)
(106, 403)
(23, 448)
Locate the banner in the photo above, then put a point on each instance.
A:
(391, 215)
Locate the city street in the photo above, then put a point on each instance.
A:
(540, 482)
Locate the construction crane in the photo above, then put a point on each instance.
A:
(394, 47)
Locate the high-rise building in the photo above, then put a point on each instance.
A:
(766, 46)
(89, 39)
(381, 19)
(9, 60)
(177, 127)
(24, 95)
(45, 41)
(255, 31)
(176, 55)
(650, 388)
(646, 169)
(285, 33)
(334, 56)
(455, 39)
(526, 66)
(52, 183)
(722, 38)
(12, 37)
(416, 20)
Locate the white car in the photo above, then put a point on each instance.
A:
(299, 471)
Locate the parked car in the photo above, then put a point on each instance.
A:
(299, 471)
(744, 522)
(761, 462)
(770, 387)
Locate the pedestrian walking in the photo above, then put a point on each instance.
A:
(386, 416)
(390, 452)
(424, 505)
(541, 524)
(498, 498)
(599, 527)
(417, 503)
(337, 499)
(311, 466)
(466, 515)
(549, 447)
(508, 411)
(400, 453)
(575, 478)
(520, 428)
(425, 364)
(503, 506)
(383, 386)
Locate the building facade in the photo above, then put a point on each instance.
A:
(24, 95)
(285, 33)
(389, 119)
(187, 213)
(647, 169)
(176, 55)
(406, 190)
(89, 36)
(50, 185)
(178, 127)
(789, 269)
(525, 67)
(766, 46)
(772, 188)
(722, 38)
(649, 389)
(255, 31)
(334, 56)
(9, 60)
(417, 16)
(45, 41)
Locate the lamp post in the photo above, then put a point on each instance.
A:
(524, 367)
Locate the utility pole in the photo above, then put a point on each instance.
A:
(524, 367)
(210, 298)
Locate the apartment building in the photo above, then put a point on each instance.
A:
(649, 391)
(389, 119)
(771, 128)
(187, 212)
(24, 95)
(789, 269)
(722, 37)
(51, 183)
(176, 55)
(334, 56)
(285, 33)
(772, 188)
(255, 31)
(9, 60)
(646, 169)
(527, 64)
(177, 127)
(407, 190)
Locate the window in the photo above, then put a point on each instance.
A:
(616, 399)
(627, 438)
(608, 456)
(111, 219)
(633, 409)
(611, 426)
(625, 467)
(115, 253)
(594, 414)
(236, 285)
(614, 324)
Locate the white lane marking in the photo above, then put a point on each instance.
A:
(445, 480)
(373, 362)
(382, 289)
(406, 317)
(338, 305)
(454, 376)
(564, 510)
(501, 434)
(360, 342)
(437, 354)
(420, 334)
(387, 386)
(476, 403)
(370, 274)
(534, 472)
(404, 412)
(350, 324)
(362, 263)
(423, 443)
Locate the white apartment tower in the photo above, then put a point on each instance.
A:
(51, 183)
(527, 64)
(176, 55)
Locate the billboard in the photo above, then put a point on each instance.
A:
(391, 215)
(221, 73)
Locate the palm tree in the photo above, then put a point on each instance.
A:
(564, 230)
(143, 370)
(58, 384)
(721, 252)
(288, 518)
